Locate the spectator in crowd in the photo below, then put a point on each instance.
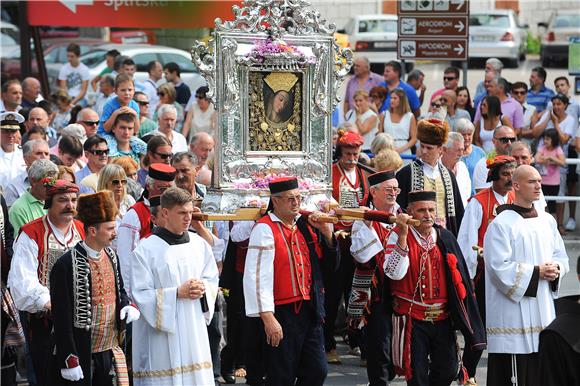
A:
(472, 153)
(146, 125)
(97, 153)
(155, 71)
(11, 96)
(35, 132)
(377, 95)
(113, 178)
(522, 153)
(118, 66)
(393, 81)
(538, 94)
(74, 76)
(89, 119)
(387, 160)
(400, 123)
(363, 119)
(70, 149)
(11, 158)
(66, 173)
(39, 117)
(172, 74)
(32, 150)
(454, 113)
(363, 79)
(490, 118)
(489, 84)
(549, 158)
(201, 116)
(573, 109)
(30, 92)
(159, 150)
(493, 67)
(166, 93)
(502, 140)
(450, 81)
(202, 146)
(415, 79)
(62, 116)
(122, 103)
(130, 68)
(166, 124)
(77, 131)
(130, 167)
(107, 91)
(519, 90)
(464, 101)
(381, 142)
(453, 150)
(122, 140)
(510, 108)
(110, 57)
(30, 205)
(185, 163)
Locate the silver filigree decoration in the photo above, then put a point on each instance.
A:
(343, 63)
(203, 58)
(232, 88)
(320, 78)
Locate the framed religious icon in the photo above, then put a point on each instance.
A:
(273, 73)
(275, 112)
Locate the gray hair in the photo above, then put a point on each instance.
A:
(42, 168)
(382, 141)
(28, 146)
(198, 136)
(496, 64)
(82, 112)
(364, 59)
(503, 84)
(454, 137)
(166, 109)
(464, 125)
(178, 157)
(415, 75)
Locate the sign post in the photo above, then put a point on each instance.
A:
(433, 29)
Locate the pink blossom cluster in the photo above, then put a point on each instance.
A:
(262, 181)
(271, 47)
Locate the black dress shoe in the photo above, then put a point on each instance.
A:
(229, 378)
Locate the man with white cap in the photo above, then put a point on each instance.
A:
(11, 158)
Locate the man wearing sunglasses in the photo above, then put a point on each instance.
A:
(450, 81)
(503, 138)
(146, 125)
(519, 91)
(97, 153)
(89, 119)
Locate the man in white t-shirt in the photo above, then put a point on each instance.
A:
(167, 116)
(155, 71)
(74, 76)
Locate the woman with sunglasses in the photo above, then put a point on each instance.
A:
(159, 150)
(464, 101)
(113, 178)
(167, 96)
(131, 168)
(201, 115)
(491, 119)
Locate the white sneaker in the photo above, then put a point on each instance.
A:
(570, 224)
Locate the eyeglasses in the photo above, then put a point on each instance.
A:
(435, 105)
(160, 94)
(391, 190)
(163, 155)
(99, 152)
(119, 182)
(292, 199)
(143, 103)
(506, 139)
(200, 97)
(519, 92)
(448, 78)
(91, 123)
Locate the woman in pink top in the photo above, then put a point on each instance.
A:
(549, 158)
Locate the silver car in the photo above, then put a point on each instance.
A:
(497, 34)
(563, 25)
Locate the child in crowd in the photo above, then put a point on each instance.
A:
(549, 158)
(63, 114)
(123, 103)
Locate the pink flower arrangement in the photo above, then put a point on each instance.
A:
(270, 47)
(262, 181)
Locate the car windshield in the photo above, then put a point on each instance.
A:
(489, 21)
(93, 58)
(567, 21)
(377, 26)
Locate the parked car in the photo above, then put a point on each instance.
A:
(142, 54)
(499, 34)
(563, 25)
(374, 36)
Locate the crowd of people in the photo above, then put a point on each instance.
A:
(109, 276)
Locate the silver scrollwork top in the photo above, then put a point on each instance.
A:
(203, 58)
(276, 17)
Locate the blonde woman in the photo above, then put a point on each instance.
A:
(134, 189)
(363, 119)
(66, 173)
(400, 123)
(167, 96)
(112, 177)
(387, 160)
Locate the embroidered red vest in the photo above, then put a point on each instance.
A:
(432, 286)
(489, 204)
(49, 248)
(292, 271)
(338, 179)
(144, 215)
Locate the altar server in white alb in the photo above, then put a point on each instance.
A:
(175, 280)
(525, 260)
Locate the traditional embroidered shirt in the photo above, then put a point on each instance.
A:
(349, 189)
